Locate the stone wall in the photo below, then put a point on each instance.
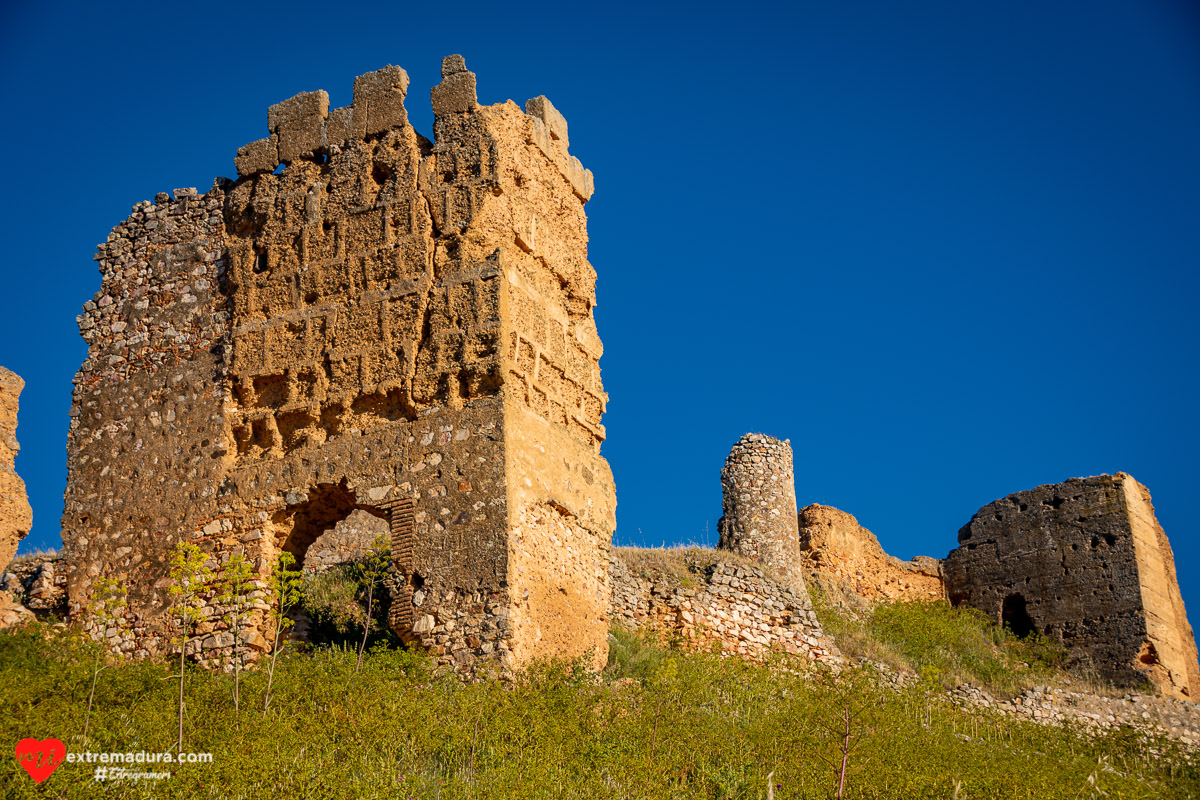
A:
(759, 505)
(706, 598)
(16, 516)
(348, 541)
(39, 582)
(385, 325)
(834, 545)
(1087, 563)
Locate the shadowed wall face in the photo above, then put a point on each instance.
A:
(1087, 563)
(386, 324)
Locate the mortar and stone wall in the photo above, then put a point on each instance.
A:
(1087, 563)
(386, 325)
(704, 599)
(748, 596)
(346, 542)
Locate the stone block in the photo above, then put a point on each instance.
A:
(455, 94)
(379, 101)
(299, 123)
(339, 126)
(544, 110)
(259, 156)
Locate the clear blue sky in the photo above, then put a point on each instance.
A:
(949, 249)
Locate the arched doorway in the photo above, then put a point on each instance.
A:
(1015, 616)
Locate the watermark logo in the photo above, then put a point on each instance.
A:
(40, 757)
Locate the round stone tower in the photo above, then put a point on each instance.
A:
(759, 506)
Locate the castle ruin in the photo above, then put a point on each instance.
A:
(370, 332)
(1084, 562)
(364, 320)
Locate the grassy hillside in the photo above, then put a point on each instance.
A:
(656, 724)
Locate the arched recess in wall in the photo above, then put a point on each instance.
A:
(1014, 615)
(328, 504)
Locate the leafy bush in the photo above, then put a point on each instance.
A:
(336, 604)
(331, 600)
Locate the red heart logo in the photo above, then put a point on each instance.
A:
(40, 758)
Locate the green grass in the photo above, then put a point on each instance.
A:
(656, 724)
(945, 646)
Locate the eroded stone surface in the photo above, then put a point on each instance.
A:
(388, 325)
(1086, 562)
(832, 543)
(16, 516)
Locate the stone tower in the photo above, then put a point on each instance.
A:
(759, 506)
(1087, 563)
(363, 320)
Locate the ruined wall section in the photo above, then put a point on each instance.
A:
(347, 542)
(503, 188)
(366, 358)
(16, 516)
(147, 443)
(504, 191)
(836, 548)
(703, 599)
(759, 505)
(1078, 562)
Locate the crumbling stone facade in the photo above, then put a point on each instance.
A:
(834, 545)
(16, 516)
(1087, 563)
(759, 505)
(363, 320)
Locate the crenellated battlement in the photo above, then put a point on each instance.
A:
(303, 126)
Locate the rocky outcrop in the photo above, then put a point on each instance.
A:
(834, 545)
(16, 516)
(1085, 562)
(12, 613)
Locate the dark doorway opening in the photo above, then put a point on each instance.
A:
(1015, 616)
